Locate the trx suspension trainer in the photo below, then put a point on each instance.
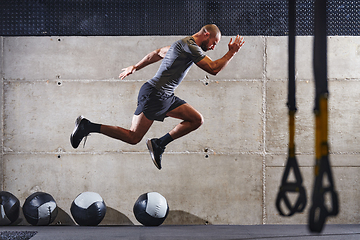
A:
(324, 197)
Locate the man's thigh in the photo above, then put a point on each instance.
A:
(140, 124)
(185, 112)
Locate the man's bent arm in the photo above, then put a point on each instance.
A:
(214, 67)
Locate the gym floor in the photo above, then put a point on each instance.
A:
(177, 232)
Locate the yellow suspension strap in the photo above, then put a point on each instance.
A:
(286, 185)
(324, 196)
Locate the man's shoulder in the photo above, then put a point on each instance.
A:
(187, 46)
(189, 43)
(188, 40)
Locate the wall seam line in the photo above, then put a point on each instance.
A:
(264, 214)
(2, 112)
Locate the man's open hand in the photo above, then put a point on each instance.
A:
(127, 71)
(237, 44)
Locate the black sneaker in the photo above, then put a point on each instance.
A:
(155, 151)
(79, 132)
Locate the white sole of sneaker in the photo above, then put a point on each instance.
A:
(77, 122)
(151, 150)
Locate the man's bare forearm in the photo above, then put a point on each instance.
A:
(147, 60)
(152, 57)
(221, 63)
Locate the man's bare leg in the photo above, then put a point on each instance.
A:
(83, 127)
(192, 120)
(139, 127)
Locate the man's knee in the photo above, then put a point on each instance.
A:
(198, 121)
(135, 139)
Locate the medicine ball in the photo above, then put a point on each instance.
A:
(9, 208)
(40, 209)
(151, 209)
(88, 209)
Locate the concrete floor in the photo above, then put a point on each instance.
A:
(175, 232)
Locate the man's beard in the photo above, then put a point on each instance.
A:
(204, 45)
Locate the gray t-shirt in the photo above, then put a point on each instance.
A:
(176, 63)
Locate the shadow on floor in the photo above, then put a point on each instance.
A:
(178, 217)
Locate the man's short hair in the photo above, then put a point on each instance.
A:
(212, 29)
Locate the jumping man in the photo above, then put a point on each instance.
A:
(156, 99)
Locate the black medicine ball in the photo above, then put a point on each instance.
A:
(9, 208)
(151, 209)
(88, 209)
(40, 209)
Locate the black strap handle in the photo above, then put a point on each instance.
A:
(319, 210)
(291, 187)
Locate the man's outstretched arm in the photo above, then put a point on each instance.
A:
(150, 58)
(214, 67)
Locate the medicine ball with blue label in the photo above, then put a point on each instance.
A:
(9, 208)
(88, 209)
(151, 209)
(40, 209)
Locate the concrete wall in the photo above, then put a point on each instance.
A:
(227, 172)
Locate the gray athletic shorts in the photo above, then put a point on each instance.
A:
(155, 104)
